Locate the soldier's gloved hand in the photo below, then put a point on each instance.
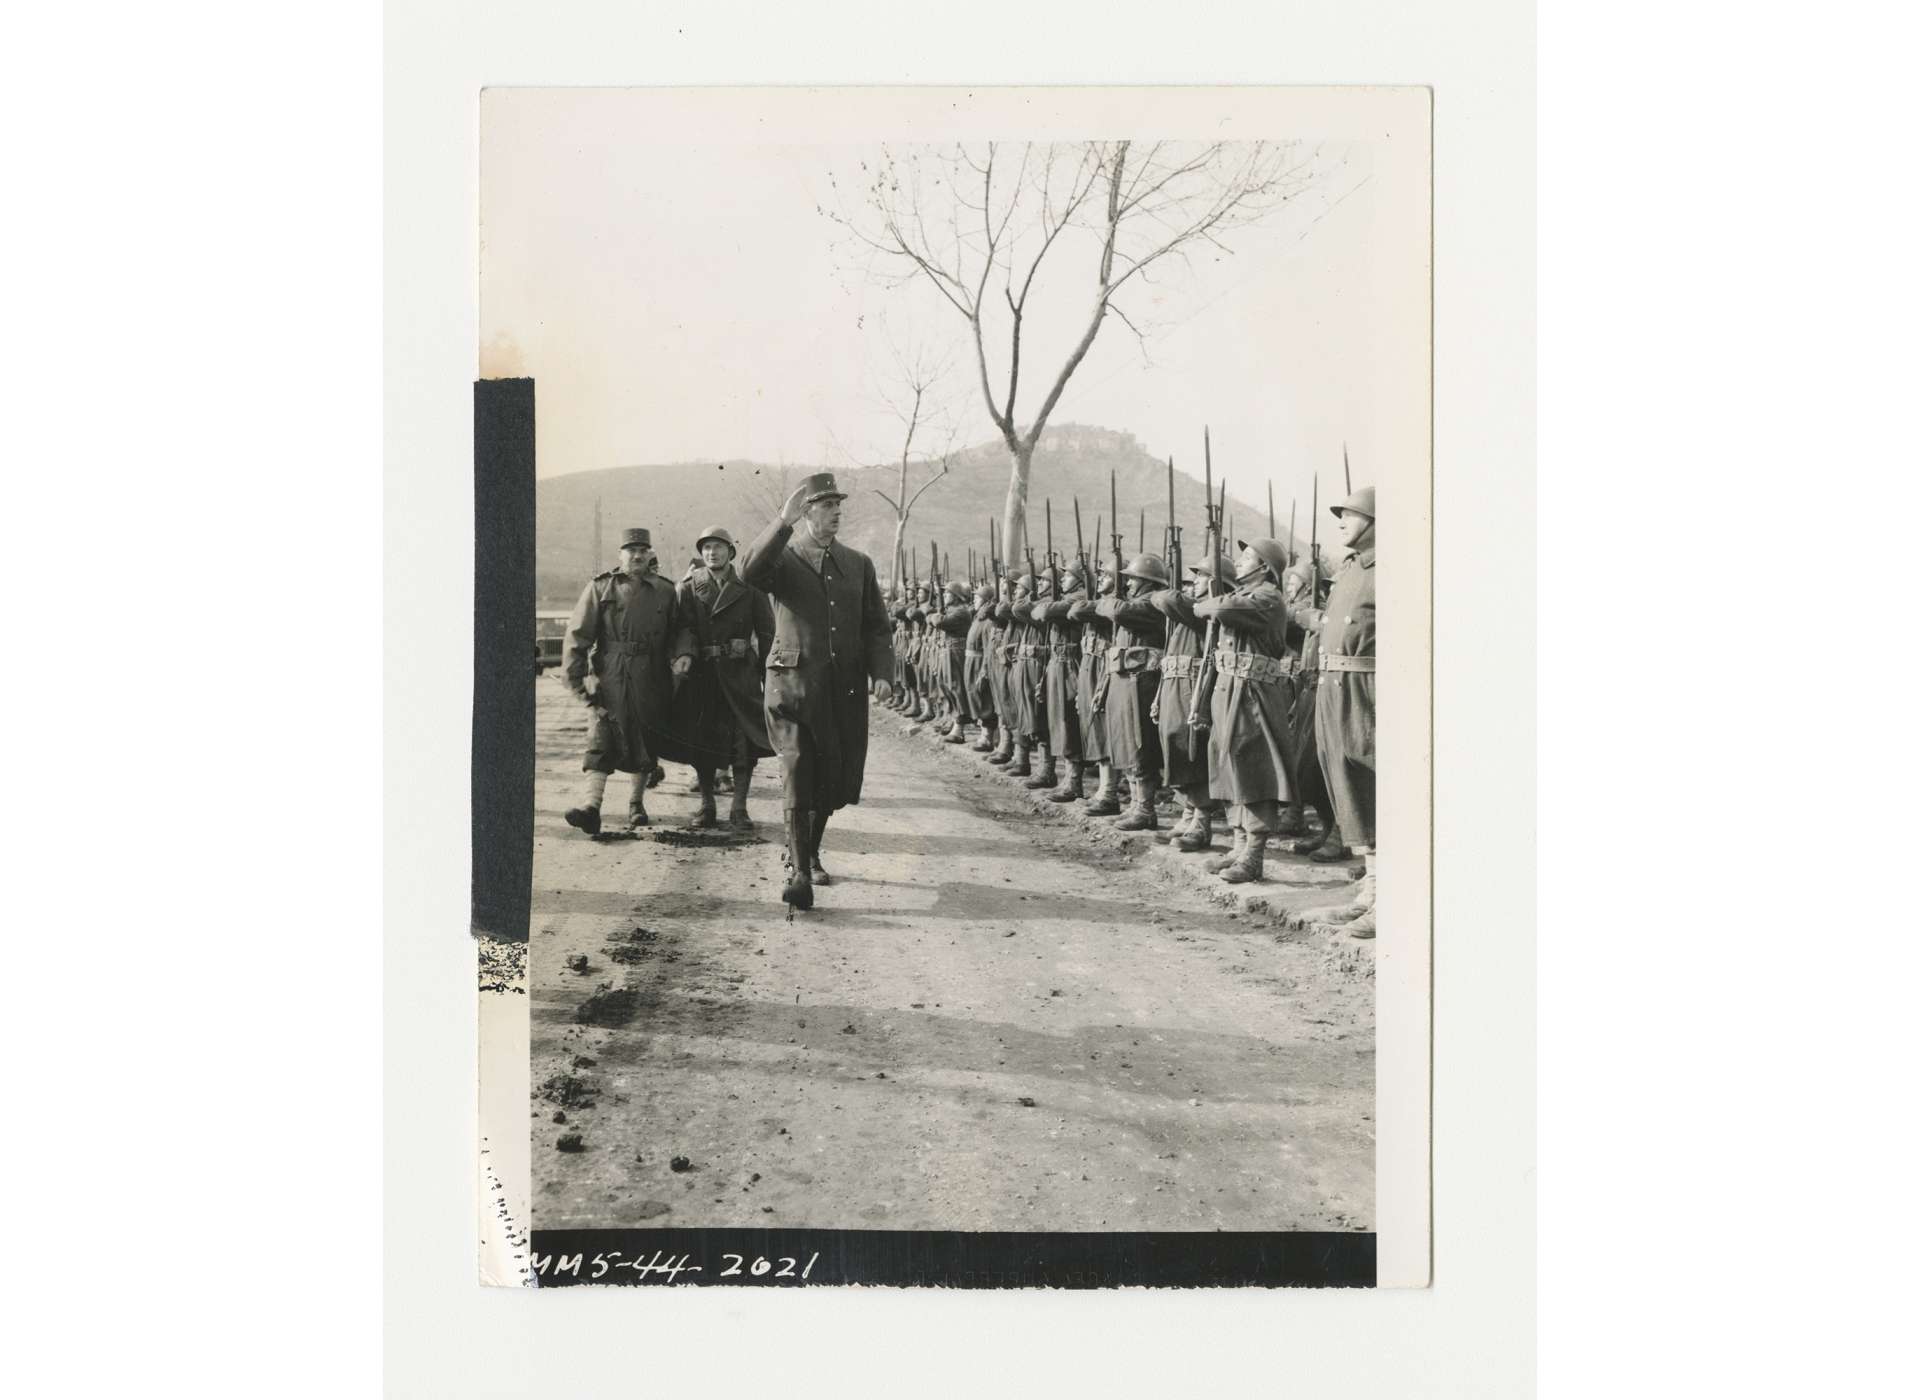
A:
(682, 665)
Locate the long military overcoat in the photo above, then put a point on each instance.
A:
(1061, 678)
(620, 634)
(1247, 746)
(1133, 679)
(1344, 705)
(956, 621)
(1091, 699)
(721, 695)
(829, 639)
(1184, 746)
(979, 680)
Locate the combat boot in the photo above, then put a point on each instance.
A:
(1019, 768)
(1199, 833)
(737, 818)
(1046, 777)
(924, 711)
(1143, 817)
(586, 818)
(1076, 787)
(957, 732)
(1102, 803)
(1251, 865)
(1331, 851)
(1182, 826)
(1291, 822)
(1362, 927)
(637, 809)
(1232, 856)
(799, 886)
(1003, 751)
(989, 741)
(706, 817)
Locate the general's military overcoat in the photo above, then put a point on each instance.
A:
(829, 639)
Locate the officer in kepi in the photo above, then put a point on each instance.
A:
(616, 662)
(831, 638)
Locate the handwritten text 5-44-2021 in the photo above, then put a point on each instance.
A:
(667, 1268)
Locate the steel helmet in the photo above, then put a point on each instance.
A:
(716, 532)
(1360, 503)
(1272, 553)
(1150, 567)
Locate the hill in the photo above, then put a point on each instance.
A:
(676, 501)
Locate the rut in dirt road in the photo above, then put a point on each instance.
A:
(985, 1023)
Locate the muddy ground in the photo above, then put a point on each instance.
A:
(999, 1016)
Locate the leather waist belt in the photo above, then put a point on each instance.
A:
(1346, 663)
(736, 649)
(1130, 659)
(1176, 667)
(1030, 649)
(1253, 666)
(1067, 649)
(975, 651)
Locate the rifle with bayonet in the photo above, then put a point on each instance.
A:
(1200, 712)
(1272, 529)
(1080, 561)
(1053, 561)
(1113, 517)
(1174, 552)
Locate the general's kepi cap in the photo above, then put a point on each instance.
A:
(822, 487)
(636, 539)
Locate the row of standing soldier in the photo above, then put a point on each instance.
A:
(734, 665)
(1064, 680)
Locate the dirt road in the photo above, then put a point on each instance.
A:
(986, 1023)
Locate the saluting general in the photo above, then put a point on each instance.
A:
(830, 639)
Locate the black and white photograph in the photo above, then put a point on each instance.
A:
(937, 818)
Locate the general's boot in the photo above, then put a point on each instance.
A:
(706, 817)
(737, 818)
(1199, 833)
(817, 828)
(1232, 856)
(586, 818)
(1076, 787)
(1292, 822)
(1143, 817)
(1252, 863)
(1019, 768)
(1047, 776)
(799, 886)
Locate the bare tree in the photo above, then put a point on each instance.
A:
(762, 491)
(978, 224)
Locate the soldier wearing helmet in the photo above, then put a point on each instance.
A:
(719, 715)
(951, 624)
(1001, 641)
(619, 640)
(1133, 682)
(975, 676)
(1185, 747)
(1026, 675)
(1060, 679)
(1247, 744)
(1096, 635)
(1344, 701)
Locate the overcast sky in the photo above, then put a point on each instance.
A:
(676, 301)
